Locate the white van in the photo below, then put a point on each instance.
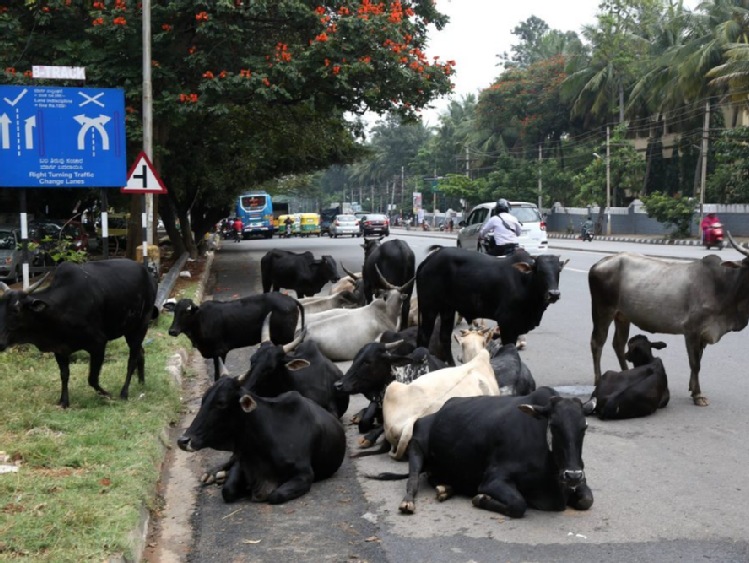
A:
(533, 237)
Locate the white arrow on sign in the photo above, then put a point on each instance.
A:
(142, 178)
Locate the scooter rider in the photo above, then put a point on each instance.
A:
(504, 228)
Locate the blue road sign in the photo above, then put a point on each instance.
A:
(62, 137)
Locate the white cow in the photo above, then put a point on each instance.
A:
(340, 334)
(404, 404)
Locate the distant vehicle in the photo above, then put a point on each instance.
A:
(345, 225)
(309, 224)
(11, 255)
(279, 208)
(374, 224)
(255, 209)
(326, 218)
(533, 237)
(51, 231)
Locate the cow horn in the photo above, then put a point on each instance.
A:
(265, 331)
(36, 286)
(391, 345)
(736, 246)
(386, 283)
(350, 274)
(291, 346)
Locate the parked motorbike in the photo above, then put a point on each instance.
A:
(713, 236)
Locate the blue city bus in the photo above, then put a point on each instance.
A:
(255, 209)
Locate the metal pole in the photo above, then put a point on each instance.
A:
(147, 113)
(24, 239)
(104, 224)
(608, 181)
(703, 157)
(540, 183)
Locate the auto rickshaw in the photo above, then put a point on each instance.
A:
(309, 224)
(283, 230)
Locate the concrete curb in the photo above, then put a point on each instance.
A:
(633, 238)
(175, 369)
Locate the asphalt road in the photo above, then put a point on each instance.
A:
(667, 488)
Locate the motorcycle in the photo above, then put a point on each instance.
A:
(586, 234)
(713, 236)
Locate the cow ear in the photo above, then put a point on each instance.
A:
(296, 364)
(534, 410)
(589, 407)
(247, 403)
(523, 267)
(562, 265)
(169, 305)
(37, 305)
(658, 345)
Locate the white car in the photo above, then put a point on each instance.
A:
(344, 225)
(533, 237)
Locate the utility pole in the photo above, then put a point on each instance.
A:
(540, 184)
(703, 158)
(468, 165)
(608, 180)
(148, 219)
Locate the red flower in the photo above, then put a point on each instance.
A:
(166, 27)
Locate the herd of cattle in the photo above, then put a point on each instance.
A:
(479, 427)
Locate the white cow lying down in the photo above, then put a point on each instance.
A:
(404, 404)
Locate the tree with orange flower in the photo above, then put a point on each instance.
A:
(221, 65)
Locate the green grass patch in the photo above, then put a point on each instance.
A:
(84, 472)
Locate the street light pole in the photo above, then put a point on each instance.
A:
(608, 181)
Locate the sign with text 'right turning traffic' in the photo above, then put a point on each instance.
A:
(54, 137)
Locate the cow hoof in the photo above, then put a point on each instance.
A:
(701, 401)
(407, 507)
(207, 478)
(520, 345)
(478, 500)
(364, 443)
(355, 419)
(444, 492)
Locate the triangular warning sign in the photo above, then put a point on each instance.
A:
(142, 178)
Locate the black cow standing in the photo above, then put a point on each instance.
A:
(513, 291)
(635, 392)
(84, 307)
(306, 275)
(283, 444)
(508, 453)
(396, 262)
(216, 327)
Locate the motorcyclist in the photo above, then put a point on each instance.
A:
(707, 223)
(504, 228)
(586, 228)
(238, 227)
(288, 222)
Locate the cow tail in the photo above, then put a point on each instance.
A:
(384, 447)
(386, 476)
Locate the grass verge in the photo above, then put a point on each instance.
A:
(84, 473)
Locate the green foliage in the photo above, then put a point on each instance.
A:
(729, 182)
(676, 211)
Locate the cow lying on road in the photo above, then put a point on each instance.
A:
(404, 404)
(635, 392)
(282, 443)
(508, 453)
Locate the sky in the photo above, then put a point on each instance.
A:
(479, 30)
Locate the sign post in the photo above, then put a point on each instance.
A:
(143, 179)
